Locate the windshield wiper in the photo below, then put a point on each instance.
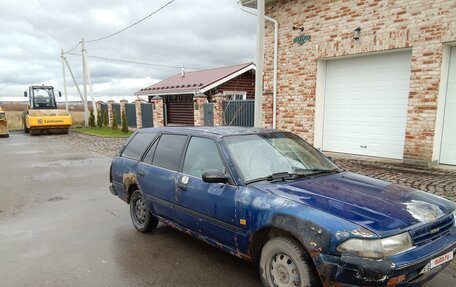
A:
(278, 176)
(321, 171)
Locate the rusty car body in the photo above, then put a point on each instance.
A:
(306, 223)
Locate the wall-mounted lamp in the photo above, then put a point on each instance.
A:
(356, 33)
(298, 28)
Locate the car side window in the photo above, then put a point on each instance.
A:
(137, 145)
(168, 153)
(202, 154)
(150, 154)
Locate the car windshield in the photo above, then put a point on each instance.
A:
(262, 156)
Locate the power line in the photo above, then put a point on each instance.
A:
(134, 62)
(69, 51)
(136, 23)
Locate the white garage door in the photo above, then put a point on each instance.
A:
(448, 150)
(366, 101)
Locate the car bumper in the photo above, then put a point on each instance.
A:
(401, 270)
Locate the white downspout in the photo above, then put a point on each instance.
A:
(276, 46)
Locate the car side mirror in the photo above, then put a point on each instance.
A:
(60, 94)
(25, 94)
(214, 176)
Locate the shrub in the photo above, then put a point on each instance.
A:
(91, 119)
(114, 120)
(105, 119)
(124, 122)
(99, 121)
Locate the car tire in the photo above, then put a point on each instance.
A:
(284, 263)
(26, 130)
(142, 218)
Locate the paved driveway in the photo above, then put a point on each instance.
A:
(59, 226)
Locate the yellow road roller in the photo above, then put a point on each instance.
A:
(43, 115)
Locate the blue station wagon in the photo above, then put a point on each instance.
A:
(269, 197)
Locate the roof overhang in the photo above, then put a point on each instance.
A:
(253, 3)
(202, 89)
(165, 93)
(230, 77)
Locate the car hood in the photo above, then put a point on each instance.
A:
(381, 207)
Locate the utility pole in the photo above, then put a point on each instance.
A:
(74, 79)
(84, 85)
(258, 120)
(89, 80)
(64, 81)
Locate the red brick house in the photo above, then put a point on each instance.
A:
(367, 77)
(180, 92)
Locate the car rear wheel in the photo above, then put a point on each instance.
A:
(142, 218)
(283, 263)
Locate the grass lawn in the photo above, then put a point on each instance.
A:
(103, 132)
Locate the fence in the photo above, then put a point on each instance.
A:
(104, 112)
(116, 109)
(238, 113)
(147, 117)
(130, 112)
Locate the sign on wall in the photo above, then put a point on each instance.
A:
(302, 39)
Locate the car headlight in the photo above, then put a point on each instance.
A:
(377, 248)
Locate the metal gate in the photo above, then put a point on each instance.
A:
(116, 109)
(238, 113)
(209, 114)
(104, 112)
(179, 110)
(130, 112)
(147, 116)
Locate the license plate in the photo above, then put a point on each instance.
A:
(438, 261)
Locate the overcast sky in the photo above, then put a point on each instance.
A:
(197, 34)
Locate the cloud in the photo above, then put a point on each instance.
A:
(197, 34)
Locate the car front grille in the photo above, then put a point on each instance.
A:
(433, 231)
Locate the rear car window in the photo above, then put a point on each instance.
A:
(169, 151)
(137, 145)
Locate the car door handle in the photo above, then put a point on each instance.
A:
(141, 173)
(183, 183)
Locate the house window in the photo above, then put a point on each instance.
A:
(235, 96)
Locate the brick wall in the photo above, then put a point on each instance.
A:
(422, 26)
(199, 110)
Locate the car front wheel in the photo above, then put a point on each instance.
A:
(283, 264)
(142, 218)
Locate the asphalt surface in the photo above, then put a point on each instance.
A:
(60, 226)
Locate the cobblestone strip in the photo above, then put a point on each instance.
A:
(441, 182)
(105, 146)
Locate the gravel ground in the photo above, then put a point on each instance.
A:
(434, 180)
(105, 146)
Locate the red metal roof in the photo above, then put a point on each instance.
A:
(192, 81)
